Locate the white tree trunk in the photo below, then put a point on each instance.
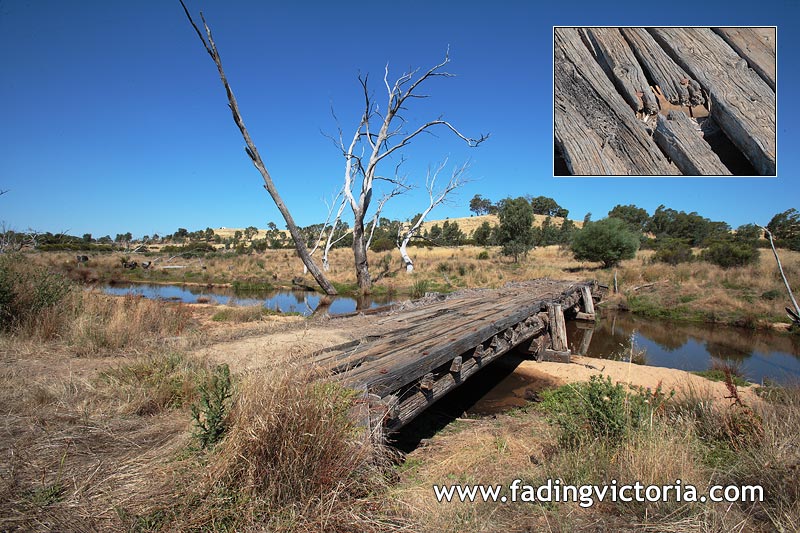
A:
(404, 253)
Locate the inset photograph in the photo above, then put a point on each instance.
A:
(671, 101)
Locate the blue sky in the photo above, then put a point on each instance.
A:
(112, 117)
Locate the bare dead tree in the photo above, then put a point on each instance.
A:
(379, 135)
(793, 314)
(330, 241)
(325, 225)
(399, 189)
(252, 152)
(405, 234)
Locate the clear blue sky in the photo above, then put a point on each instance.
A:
(112, 117)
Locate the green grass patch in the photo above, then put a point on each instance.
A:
(345, 288)
(716, 374)
(251, 286)
(245, 314)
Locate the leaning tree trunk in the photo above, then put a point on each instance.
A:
(360, 253)
(252, 152)
(404, 254)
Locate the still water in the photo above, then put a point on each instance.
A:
(760, 355)
(284, 301)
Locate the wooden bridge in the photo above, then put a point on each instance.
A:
(435, 347)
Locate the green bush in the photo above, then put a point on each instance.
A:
(608, 240)
(673, 251)
(33, 296)
(419, 288)
(209, 415)
(730, 253)
(382, 244)
(599, 409)
(483, 255)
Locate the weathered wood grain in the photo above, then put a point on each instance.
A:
(741, 102)
(757, 46)
(619, 62)
(676, 85)
(680, 138)
(595, 129)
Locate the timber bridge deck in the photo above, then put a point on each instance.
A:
(433, 348)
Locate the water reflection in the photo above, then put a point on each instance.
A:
(760, 354)
(284, 301)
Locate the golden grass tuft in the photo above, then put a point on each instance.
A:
(113, 323)
(292, 460)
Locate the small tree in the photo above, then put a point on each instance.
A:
(785, 228)
(608, 240)
(634, 216)
(543, 205)
(483, 235)
(480, 205)
(516, 227)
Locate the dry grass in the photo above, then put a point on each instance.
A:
(293, 460)
(110, 323)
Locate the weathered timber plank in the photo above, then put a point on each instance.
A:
(558, 328)
(742, 103)
(406, 369)
(680, 138)
(595, 129)
(415, 402)
(757, 46)
(619, 62)
(676, 85)
(458, 338)
(587, 299)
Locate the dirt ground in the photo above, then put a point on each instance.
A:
(648, 377)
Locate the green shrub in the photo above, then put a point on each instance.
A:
(730, 253)
(34, 298)
(382, 244)
(419, 288)
(209, 415)
(483, 255)
(673, 251)
(608, 240)
(599, 409)
(771, 294)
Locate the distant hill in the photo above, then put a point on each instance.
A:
(466, 224)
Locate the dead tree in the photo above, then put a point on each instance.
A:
(379, 135)
(405, 235)
(255, 157)
(794, 314)
(399, 189)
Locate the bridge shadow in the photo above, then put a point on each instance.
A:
(456, 404)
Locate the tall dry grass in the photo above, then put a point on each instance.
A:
(292, 460)
(107, 323)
